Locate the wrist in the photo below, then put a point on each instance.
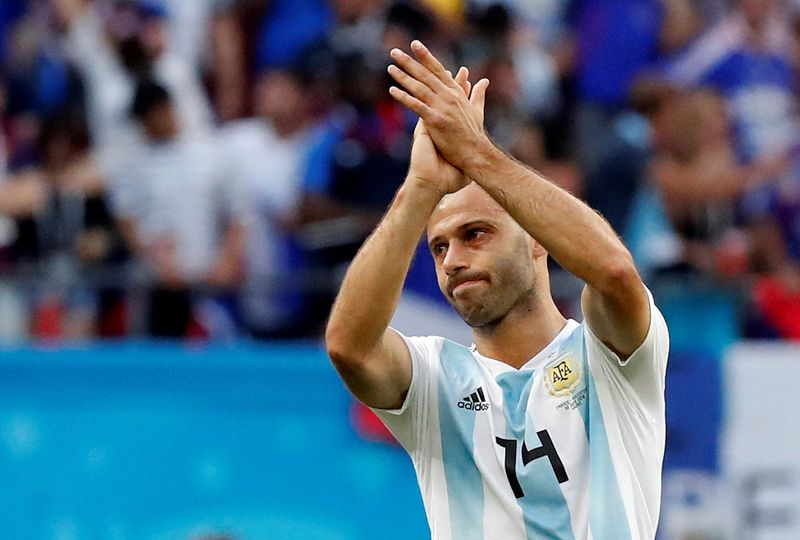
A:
(421, 189)
(481, 158)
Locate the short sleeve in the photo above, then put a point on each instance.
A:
(235, 202)
(124, 182)
(645, 369)
(410, 422)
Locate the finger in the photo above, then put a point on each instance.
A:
(431, 62)
(462, 78)
(409, 101)
(412, 85)
(478, 96)
(416, 70)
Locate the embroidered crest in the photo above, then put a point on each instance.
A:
(562, 376)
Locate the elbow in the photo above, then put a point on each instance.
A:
(342, 350)
(620, 278)
(334, 344)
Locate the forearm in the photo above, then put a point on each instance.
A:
(228, 52)
(372, 286)
(23, 195)
(233, 245)
(576, 236)
(130, 236)
(67, 11)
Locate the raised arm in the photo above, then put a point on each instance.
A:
(615, 302)
(67, 11)
(373, 360)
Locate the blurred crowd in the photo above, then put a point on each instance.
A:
(207, 168)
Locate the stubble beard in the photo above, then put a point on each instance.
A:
(488, 310)
(511, 288)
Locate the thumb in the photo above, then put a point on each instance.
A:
(478, 97)
(420, 129)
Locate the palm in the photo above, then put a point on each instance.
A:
(429, 166)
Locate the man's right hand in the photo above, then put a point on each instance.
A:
(428, 168)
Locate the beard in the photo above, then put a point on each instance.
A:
(487, 309)
(509, 287)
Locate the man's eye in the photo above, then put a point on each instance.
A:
(473, 234)
(438, 249)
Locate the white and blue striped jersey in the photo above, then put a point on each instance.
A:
(568, 447)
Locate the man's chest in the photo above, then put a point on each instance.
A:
(528, 427)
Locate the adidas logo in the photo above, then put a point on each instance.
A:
(475, 401)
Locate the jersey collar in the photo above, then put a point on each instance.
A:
(550, 351)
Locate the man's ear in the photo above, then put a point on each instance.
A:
(537, 249)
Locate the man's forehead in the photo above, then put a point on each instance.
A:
(471, 202)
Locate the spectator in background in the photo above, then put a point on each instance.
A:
(511, 54)
(776, 254)
(13, 308)
(180, 212)
(615, 41)
(697, 173)
(207, 34)
(268, 156)
(776, 294)
(113, 44)
(528, 146)
(554, 65)
(750, 57)
(64, 231)
(358, 160)
(747, 57)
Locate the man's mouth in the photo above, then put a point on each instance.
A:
(463, 285)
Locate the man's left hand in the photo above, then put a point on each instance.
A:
(454, 120)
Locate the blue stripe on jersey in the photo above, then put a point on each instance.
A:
(544, 507)
(458, 369)
(607, 518)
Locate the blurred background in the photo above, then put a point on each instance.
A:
(183, 183)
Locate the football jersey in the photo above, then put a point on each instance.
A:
(569, 446)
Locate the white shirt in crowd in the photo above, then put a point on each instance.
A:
(189, 24)
(182, 193)
(568, 447)
(270, 169)
(110, 91)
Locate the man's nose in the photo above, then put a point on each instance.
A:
(456, 259)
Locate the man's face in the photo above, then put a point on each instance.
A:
(758, 11)
(484, 259)
(161, 123)
(279, 97)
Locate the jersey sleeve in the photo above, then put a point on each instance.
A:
(411, 421)
(643, 373)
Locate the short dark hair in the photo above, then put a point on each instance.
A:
(148, 95)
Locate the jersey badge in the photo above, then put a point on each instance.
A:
(562, 375)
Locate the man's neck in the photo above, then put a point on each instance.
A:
(287, 129)
(522, 334)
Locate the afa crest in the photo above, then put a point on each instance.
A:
(562, 376)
